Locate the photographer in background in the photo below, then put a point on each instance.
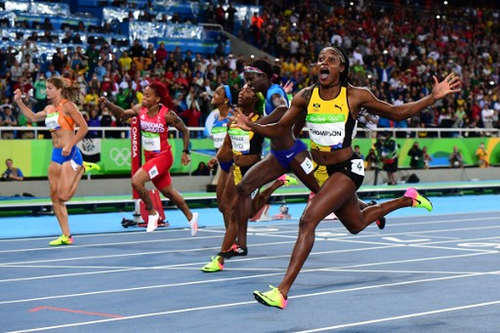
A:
(387, 149)
(12, 173)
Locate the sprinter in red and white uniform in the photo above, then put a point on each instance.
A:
(155, 117)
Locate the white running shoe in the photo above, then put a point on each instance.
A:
(194, 224)
(152, 222)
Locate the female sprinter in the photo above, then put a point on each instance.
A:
(155, 118)
(246, 147)
(330, 109)
(66, 167)
(223, 99)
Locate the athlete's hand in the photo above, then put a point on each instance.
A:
(103, 101)
(185, 159)
(211, 164)
(241, 120)
(66, 150)
(450, 85)
(18, 95)
(288, 87)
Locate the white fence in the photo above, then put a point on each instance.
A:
(400, 132)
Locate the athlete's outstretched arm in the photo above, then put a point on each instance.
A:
(18, 94)
(294, 114)
(173, 119)
(118, 111)
(280, 107)
(451, 84)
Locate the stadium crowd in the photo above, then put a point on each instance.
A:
(393, 50)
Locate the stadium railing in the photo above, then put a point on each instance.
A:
(199, 131)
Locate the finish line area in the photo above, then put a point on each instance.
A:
(435, 272)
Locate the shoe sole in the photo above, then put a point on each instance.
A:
(261, 300)
(204, 271)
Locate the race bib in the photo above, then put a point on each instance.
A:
(307, 166)
(153, 172)
(151, 141)
(51, 121)
(357, 167)
(218, 135)
(326, 129)
(240, 139)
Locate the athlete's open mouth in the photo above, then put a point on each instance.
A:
(323, 73)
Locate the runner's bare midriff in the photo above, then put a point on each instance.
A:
(331, 157)
(246, 160)
(60, 137)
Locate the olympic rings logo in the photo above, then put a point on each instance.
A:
(121, 156)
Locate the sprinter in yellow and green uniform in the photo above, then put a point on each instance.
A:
(329, 109)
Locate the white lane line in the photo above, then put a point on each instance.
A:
(365, 234)
(312, 270)
(218, 306)
(434, 231)
(406, 241)
(63, 275)
(462, 240)
(139, 253)
(406, 316)
(72, 247)
(68, 267)
(168, 285)
(343, 240)
(451, 248)
(179, 265)
(101, 234)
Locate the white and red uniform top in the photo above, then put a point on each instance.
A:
(154, 132)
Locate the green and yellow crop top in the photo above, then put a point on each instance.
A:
(245, 142)
(330, 123)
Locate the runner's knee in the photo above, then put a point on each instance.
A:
(307, 224)
(243, 190)
(354, 228)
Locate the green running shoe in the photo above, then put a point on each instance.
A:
(272, 297)
(419, 201)
(213, 266)
(62, 240)
(89, 166)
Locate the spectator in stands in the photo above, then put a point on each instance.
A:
(161, 53)
(230, 18)
(12, 173)
(220, 15)
(482, 156)
(456, 159)
(7, 119)
(125, 61)
(256, 25)
(94, 121)
(59, 61)
(40, 93)
(47, 25)
(416, 157)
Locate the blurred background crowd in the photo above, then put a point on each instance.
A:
(393, 50)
